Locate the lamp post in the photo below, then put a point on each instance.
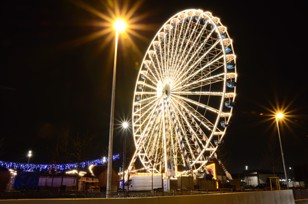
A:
(125, 125)
(279, 116)
(29, 155)
(119, 26)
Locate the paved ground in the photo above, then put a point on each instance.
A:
(77, 194)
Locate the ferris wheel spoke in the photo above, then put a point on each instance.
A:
(198, 83)
(198, 70)
(183, 81)
(172, 137)
(144, 109)
(162, 58)
(192, 57)
(141, 93)
(178, 135)
(184, 127)
(198, 93)
(195, 140)
(197, 50)
(188, 67)
(142, 84)
(195, 54)
(156, 64)
(197, 116)
(172, 36)
(161, 52)
(147, 115)
(193, 41)
(177, 39)
(180, 132)
(148, 121)
(166, 47)
(182, 40)
(142, 101)
(168, 30)
(152, 143)
(146, 80)
(204, 75)
(174, 24)
(147, 75)
(157, 154)
(201, 105)
(199, 138)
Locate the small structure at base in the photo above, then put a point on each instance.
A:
(274, 183)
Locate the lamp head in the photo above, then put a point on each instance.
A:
(279, 115)
(125, 125)
(29, 153)
(119, 25)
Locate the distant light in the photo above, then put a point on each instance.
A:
(13, 172)
(91, 169)
(125, 125)
(119, 25)
(246, 167)
(82, 173)
(29, 154)
(73, 171)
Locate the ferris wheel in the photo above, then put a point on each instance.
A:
(184, 94)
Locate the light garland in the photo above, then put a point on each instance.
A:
(56, 167)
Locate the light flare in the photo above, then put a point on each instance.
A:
(120, 25)
(104, 26)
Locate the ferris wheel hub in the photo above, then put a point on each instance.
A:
(164, 89)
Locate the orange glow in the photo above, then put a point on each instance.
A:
(119, 25)
(279, 115)
(212, 169)
(124, 10)
(291, 119)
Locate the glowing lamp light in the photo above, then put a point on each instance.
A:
(82, 173)
(29, 154)
(279, 115)
(125, 125)
(91, 169)
(119, 25)
(59, 167)
(73, 171)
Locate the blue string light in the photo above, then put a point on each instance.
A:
(58, 167)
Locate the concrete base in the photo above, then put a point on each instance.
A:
(256, 197)
(301, 201)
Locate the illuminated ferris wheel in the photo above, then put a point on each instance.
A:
(184, 94)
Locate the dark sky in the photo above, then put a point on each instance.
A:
(55, 88)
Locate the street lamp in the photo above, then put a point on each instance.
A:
(29, 155)
(119, 26)
(125, 126)
(280, 116)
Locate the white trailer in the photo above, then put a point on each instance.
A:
(144, 182)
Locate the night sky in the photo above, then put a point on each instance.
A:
(55, 82)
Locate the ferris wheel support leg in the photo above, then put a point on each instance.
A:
(132, 161)
(228, 175)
